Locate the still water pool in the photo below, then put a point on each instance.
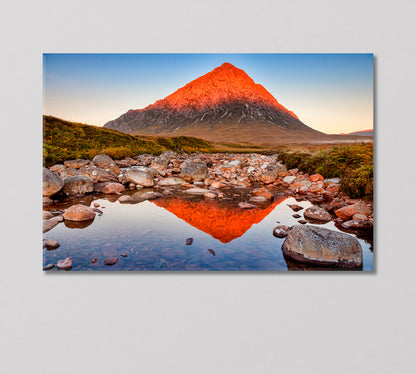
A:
(152, 236)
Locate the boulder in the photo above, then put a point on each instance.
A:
(77, 164)
(317, 213)
(171, 181)
(348, 211)
(78, 185)
(153, 172)
(52, 183)
(57, 168)
(137, 177)
(79, 212)
(106, 162)
(194, 172)
(97, 174)
(300, 185)
(108, 187)
(316, 178)
(68, 172)
(320, 246)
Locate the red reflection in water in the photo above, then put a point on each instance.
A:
(221, 221)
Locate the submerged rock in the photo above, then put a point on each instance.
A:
(259, 199)
(320, 246)
(110, 261)
(244, 205)
(197, 191)
(262, 192)
(52, 183)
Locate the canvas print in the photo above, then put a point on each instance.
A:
(208, 162)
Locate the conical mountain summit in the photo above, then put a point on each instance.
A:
(224, 105)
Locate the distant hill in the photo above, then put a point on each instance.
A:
(362, 133)
(222, 105)
(64, 140)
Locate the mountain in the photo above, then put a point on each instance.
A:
(362, 133)
(223, 105)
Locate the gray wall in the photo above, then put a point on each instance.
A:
(206, 323)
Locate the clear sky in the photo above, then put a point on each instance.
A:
(332, 93)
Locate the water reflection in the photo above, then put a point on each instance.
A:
(151, 235)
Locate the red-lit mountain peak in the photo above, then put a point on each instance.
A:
(222, 105)
(224, 85)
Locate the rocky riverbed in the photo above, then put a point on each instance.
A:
(223, 195)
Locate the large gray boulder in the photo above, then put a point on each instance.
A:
(138, 177)
(194, 172)
(97, 174)
(106, 162)
(52, 183)
(78, 185)
(319, 246)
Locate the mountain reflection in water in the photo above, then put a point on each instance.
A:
(151, 236)
(221, 220)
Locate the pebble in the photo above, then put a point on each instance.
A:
(189, 241)
(244, 205)
(110, 261)
(51, 244)
(64, 264)
(48, 267)
(295, 207)
(281, 231)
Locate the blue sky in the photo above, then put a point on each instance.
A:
(332, 93)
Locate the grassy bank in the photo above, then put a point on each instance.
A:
(352, 163)
(64, 140)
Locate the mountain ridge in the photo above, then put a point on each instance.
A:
(223, 104)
